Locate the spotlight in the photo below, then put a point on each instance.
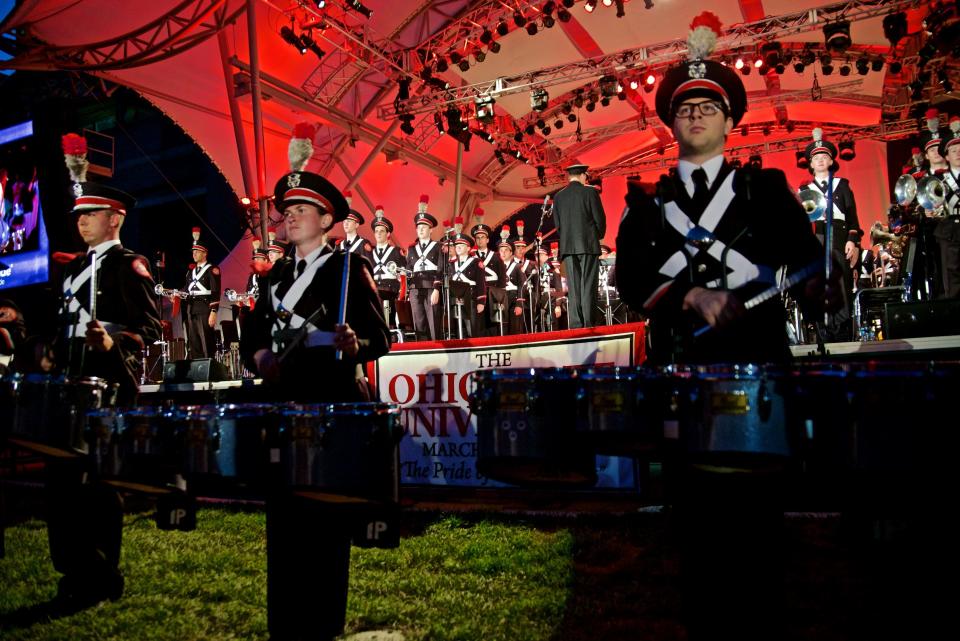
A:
(770, 51)
(798, 67)
(844, 70)
(589, 5)
(591, 106)
(876, 64)
(403, 88)
(607, 3)
(634, 84)
(825, 59)
(320, 4)
(499, 155)
(895, 27)
(605, 101)
(780, 69)
(746, 69)
(758, 63)
(567, 108)
(568, 3)
(291, 38)
(541, 123)
(548, 22)
(808, 57)
(836, 35)
(406, 124)
(518, 19)
(739, 64)
(548, 7)
(648, 4)
(608, 85)
(518, 136)
(826, 69)
(558, 123)
(502, 28)
(494, 47)
(426, 73)
(532, 28)
(546, 131)
(438, 122)
(571, 117)
(647, 88)
(464, 65)
(563, 15)
(484, 105)
(455, 58)
(441, 64)
(896, 67)
(863, 65)
(486, 37)
(357, 6)
(802, 162)
(309, 43)
(620, 10)
(439, 84)
(621, 95)
(479, 55)
(578, 99)
(539, 99)
(846, 150)
(530, 129)
(650, 80)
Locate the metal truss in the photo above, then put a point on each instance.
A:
(653, 57)
(883, 131)
(183, 27)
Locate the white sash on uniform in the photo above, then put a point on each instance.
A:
(314, 336)
(380, 271)
(70, 287)
(837, 212)
(458, 272)
(423, 264)
(196, 288)
(510, 287)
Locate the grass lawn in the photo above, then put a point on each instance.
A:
(450, 580)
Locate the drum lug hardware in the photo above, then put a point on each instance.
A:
(764, 404)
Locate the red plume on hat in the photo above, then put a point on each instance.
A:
(422, 207)
(520, 228)
(75, 156)
(933, 120)
(348, 195)
(300, 148)
(505, 232)
(196, 233)
(458, 224)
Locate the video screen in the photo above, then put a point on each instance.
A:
(24, 247)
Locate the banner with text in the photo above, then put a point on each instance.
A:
(432, 382)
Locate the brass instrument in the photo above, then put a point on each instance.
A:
(393, 269)
(170, 293)
(813, 201)
(241, 298)
(905, 190)
(931, 193)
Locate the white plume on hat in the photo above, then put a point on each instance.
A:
(702, 39)
(422, 206)
(75, 157)
(817, 134)
(300, 148)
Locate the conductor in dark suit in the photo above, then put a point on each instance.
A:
(581, 224)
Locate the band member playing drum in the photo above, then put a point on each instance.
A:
(296, 342)
(423, 262)
(354, 242)
(947, 231)
(822, 157)
(105, 340)
(514, 278)
(468, 294)
(690, 255)
(203, 302)
(387, 260)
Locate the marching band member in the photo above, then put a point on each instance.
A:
(203, 302)
(276, 249)
(353, 242)
(85, 518)
(493, 271)
(292, 341)
(423, 261)
(822, 157)
(923, 280)
(514, 282)
(469, 271)
(527, 266)
(947, 231)
(387, 259)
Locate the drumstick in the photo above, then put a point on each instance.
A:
(93, 285)
(772, 291)
(344, 284)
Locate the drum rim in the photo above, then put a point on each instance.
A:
(339, 409)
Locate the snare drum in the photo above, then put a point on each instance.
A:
(47, 414)
(344, 451)
(734, 418)
(135, 444)
(526, 428)
(618, 410)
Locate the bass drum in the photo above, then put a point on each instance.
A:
(526, 428)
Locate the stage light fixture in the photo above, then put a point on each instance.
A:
(563, 15)
(746, 69)
(455, 57)
(539, 99)
(486, 37)
(494, 47)
(789, 126)
(758, 63)
(548, 7)
(441, 64)
(621, 96)
(518, 136)
(291, 38)
(876, 64)
(771, 53)
(589, 5)
(634, 84)
(406, 124)
(403, 88)
(464, 65)
(518, 19)
(739, 64)
(826, 69)
(568, 3)
(438, 122)
(499, 156)
(846, 150)
(844, 70)
(836, 35)
(650, 80)
(863, 65)
(808, 57)
(502, 28)
(571, 117)
(426, 73)
(648, 4)
(591, 106)
(358, 6)
(558, 123)
(546, 131)
(484, 105)
(607, 3)
(548, 22)
(896, 67)
(312, 46)
(567, 108)
(541, 123)
(532, 28)
(605, 101)
(530, 129)
(479, 55)
(766, 130)
(320, 3)
(620, 10)
(608, 85)
(798, 67)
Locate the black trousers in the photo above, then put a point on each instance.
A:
(200, 337)
(425, 316)
(84, 525)
(308, 566)
(582, 274)
(950, 266)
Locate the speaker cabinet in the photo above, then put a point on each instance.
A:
(914, 320)
(197, 370)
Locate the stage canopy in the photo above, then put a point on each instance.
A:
(567, 85)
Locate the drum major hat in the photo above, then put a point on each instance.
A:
(422, 216)
(700, 77)
(304, 187)
(379, 220)
(933, 134)
(576, 170)
(951, 136)
(821, 146)
(462, 239)
(90, 196)
(258, 251)
(480, 227)
(197, 244)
